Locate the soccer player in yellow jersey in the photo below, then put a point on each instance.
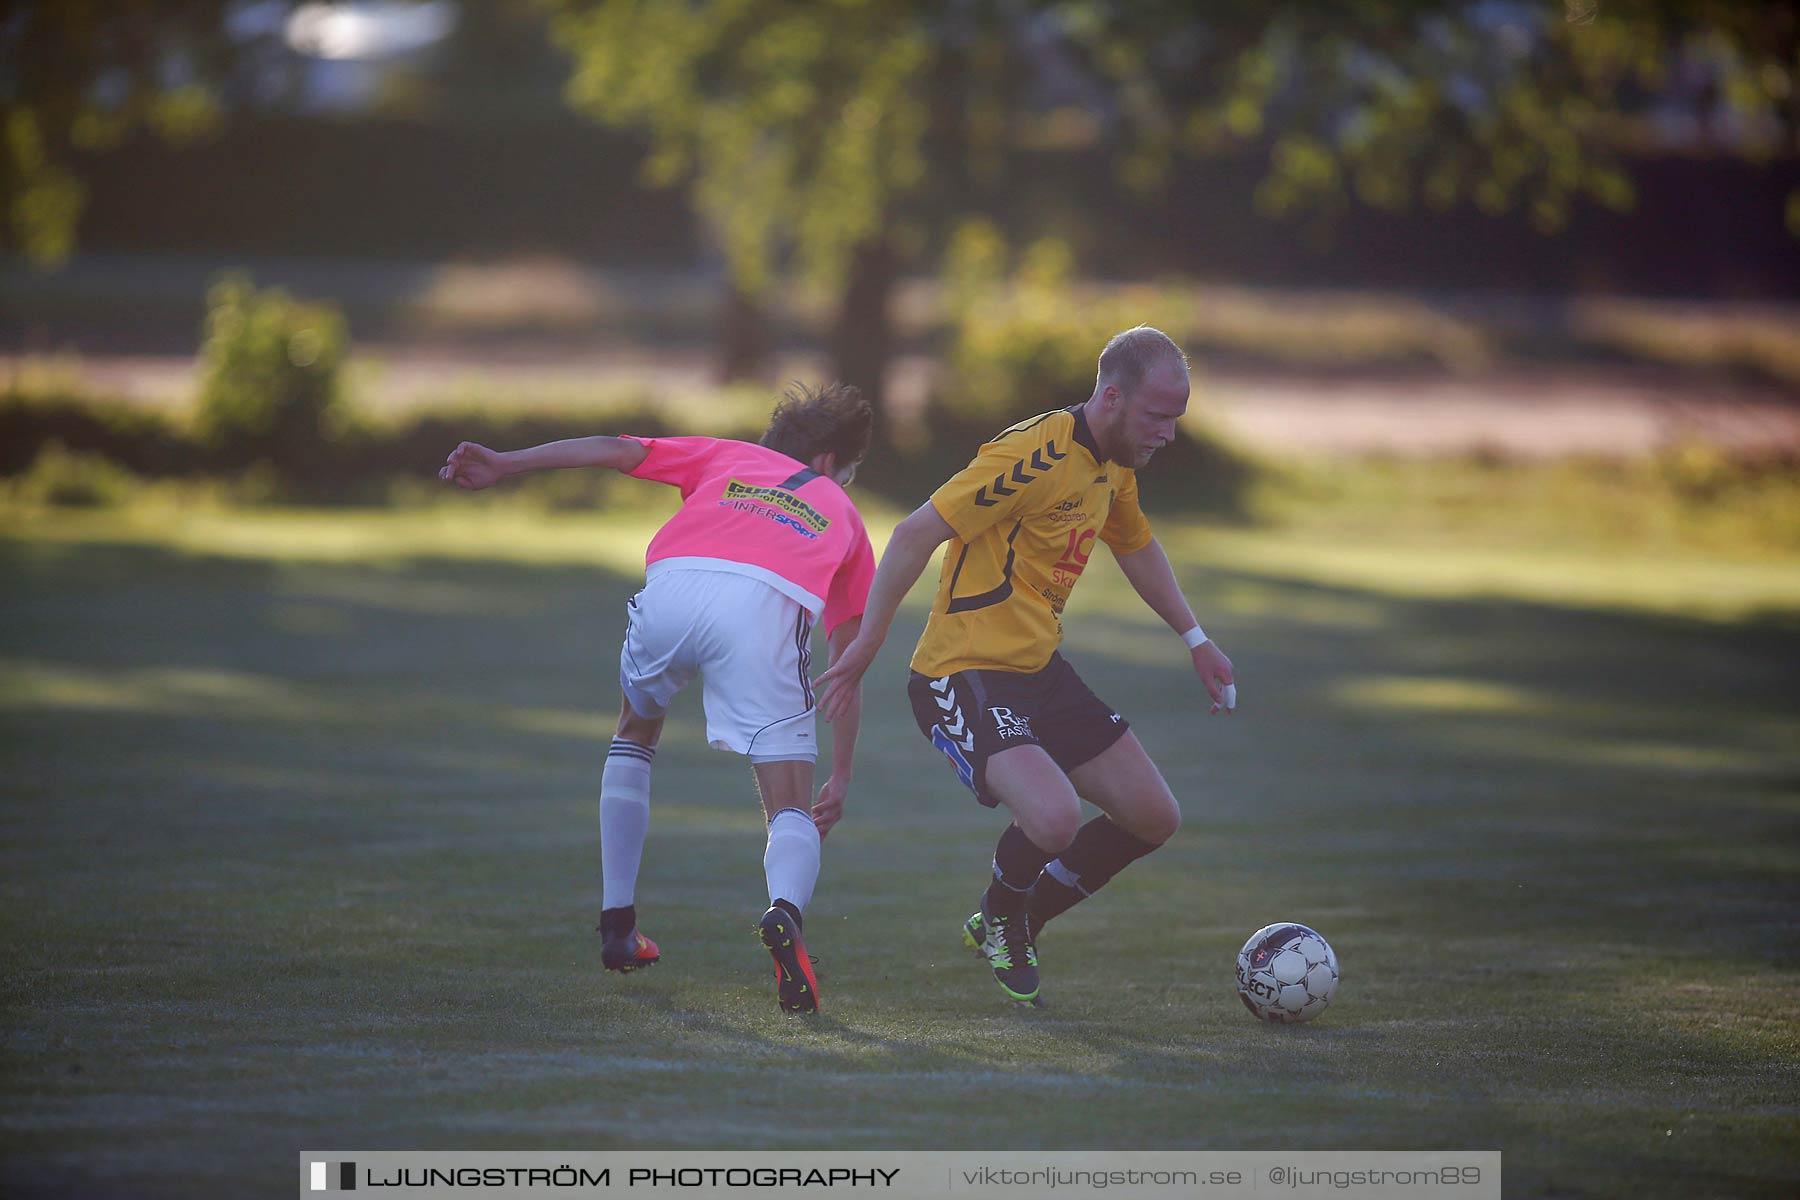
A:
(988, 686)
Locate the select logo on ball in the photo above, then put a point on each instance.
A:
(1286, 973)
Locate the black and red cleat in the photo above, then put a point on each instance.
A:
(622, 947)
(628, 953)
(796, 990)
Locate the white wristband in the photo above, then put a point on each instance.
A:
(1194, 637)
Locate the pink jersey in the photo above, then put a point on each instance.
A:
(754, 511)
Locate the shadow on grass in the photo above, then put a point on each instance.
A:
(340, 818)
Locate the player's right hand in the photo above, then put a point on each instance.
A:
(829, 806)
(472, 466)
(837, 686)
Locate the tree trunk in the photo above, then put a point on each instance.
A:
(745, 341)
(862, 341)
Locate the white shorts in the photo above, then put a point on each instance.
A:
(752, 645)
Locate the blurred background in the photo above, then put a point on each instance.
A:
(294, 251)
(1490, 487)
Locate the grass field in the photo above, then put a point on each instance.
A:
(300, 852)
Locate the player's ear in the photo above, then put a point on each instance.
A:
(829, 466)
(826, 463)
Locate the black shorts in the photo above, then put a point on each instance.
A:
(973, 715)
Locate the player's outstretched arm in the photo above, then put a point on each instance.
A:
(828, 807)
(913, 543)
(1153, 578)
(472, 466)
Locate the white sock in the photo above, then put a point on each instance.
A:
(792, 859)
(624, 820)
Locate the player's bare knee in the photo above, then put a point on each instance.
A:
(1165, 822)
(1053, 831)
(1155, 822)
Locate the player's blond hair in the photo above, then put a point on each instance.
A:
(1130, 354)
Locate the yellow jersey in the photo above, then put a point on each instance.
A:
(1026, 512)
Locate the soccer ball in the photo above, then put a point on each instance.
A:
(1286, 973)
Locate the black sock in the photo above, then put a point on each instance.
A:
(1051, 897)
(1100, 850)
(1017, 861)
(617, 922)
(787, 906)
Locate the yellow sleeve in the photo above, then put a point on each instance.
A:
(1127, 530)
(997, 485)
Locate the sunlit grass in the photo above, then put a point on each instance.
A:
(514, 534)
(493, 527)
(1428, 694)
(1693, 499)
(1690, 583)
(300, 849)
(1686, 537)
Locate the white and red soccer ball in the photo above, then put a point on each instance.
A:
(1286, 973)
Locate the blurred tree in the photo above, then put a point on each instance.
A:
(1531, 104)
(79, 75)
(843, 136)
(796, 126)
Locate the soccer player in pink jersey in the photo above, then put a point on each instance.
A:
(766, 543)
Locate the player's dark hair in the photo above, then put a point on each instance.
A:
(808, 422)
(1129, 355)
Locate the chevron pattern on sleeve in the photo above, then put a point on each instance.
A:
(987, 495)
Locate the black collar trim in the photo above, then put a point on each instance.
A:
(1084, 437)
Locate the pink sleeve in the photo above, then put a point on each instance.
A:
(678, 460)
(849, 593)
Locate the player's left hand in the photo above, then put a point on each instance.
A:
(1214, 670)
(829, 806)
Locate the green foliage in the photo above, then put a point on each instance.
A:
(802, 132)
(1732, 502)
(363, 460)
(805, 127)
(1028, 342)
(47, 199)
(795, 124)
(79, 77)
(34, 415)
(1531, 106)
(269, 377)
(62, 478)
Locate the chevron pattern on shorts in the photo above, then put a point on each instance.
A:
(953, 722)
